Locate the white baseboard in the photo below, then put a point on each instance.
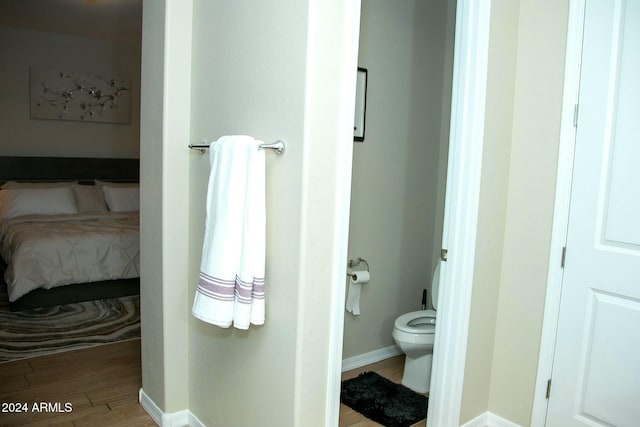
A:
(371, 357)
(183, 418)
(150, 406)
(186, 418)
(489, 419)
(194, 421)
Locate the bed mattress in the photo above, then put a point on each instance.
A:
(46, 251)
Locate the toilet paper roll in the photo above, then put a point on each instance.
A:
(360, 277)
(356, 279)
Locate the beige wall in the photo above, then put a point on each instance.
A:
(395, 184)
(525, 89)
(23, 136)
(262, 95)
(536, 130)
(296, 96)
(151, 118)
(272, 75)
(276, 89)
(492, 209)
(164, 209)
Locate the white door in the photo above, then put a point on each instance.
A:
(596, 369)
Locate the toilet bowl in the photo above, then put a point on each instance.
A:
(414, 334)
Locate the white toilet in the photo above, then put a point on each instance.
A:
(414, 333)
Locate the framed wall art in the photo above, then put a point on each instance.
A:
(361, 105)
(66, 95)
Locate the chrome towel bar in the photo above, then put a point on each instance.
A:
(277, 146)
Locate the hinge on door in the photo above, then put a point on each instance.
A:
(548, 389)
(564, 256)
(575, 116)
(443, 254)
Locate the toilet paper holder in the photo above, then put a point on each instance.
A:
(356, 262)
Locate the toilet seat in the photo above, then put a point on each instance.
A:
(421, 322)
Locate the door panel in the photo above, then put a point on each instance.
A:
(596, 370)
(598, 376)
(622, 129)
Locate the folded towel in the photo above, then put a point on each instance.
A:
(231, 284)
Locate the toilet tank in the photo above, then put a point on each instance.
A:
(435, 284)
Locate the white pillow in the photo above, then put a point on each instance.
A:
(122, 199)
(89, 198)
(41, 201)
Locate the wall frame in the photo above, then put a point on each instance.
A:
(361, 105)
(88, 97)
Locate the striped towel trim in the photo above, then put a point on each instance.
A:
(228, 290)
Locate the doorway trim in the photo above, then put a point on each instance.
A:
(573, 59)
(464, 170)
(460, 217)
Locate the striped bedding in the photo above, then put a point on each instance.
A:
(46, 251)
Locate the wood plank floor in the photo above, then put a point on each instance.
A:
(90, 387)
(389, 368)
(99, 386)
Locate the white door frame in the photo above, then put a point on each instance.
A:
(464, 169)
(561, 209)
(460, 220)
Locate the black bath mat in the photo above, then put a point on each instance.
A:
(383, 401)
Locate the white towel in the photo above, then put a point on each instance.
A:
(231, 284)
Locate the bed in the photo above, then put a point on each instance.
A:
(69, 229)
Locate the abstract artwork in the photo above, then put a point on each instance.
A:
(89, 97)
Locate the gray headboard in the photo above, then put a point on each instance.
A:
(68, 169)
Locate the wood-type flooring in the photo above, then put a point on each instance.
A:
(97, 386)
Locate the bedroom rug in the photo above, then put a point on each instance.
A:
(383, 401)
(41, 331)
